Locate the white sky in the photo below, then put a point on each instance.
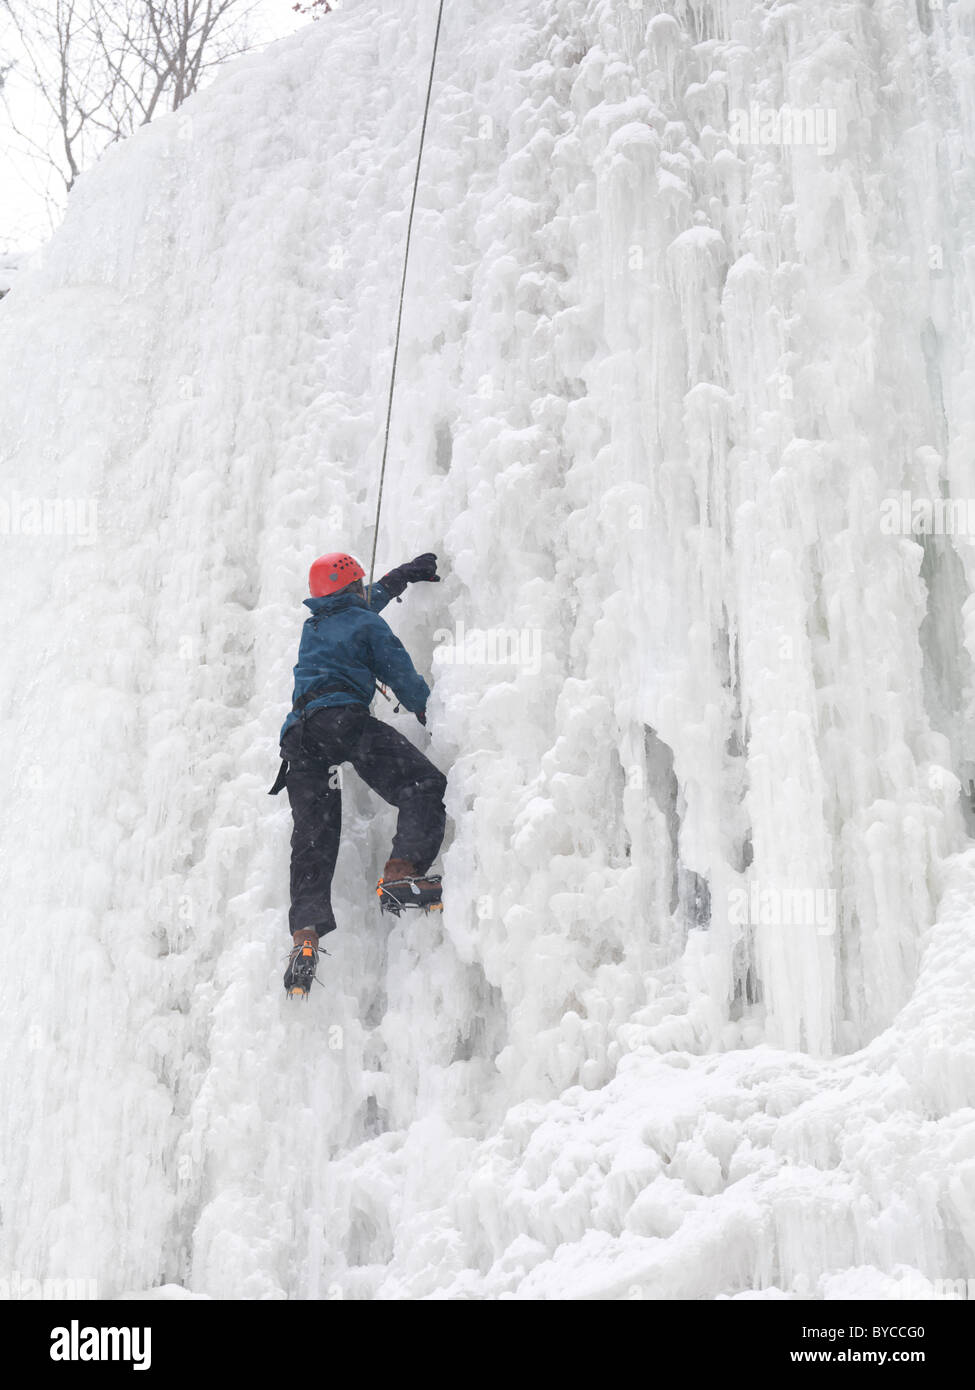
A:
(25, 215)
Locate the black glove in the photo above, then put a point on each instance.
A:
(424, 567)
(422, 716)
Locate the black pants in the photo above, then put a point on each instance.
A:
(389, 764)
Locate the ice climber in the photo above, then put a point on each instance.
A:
(346, 648)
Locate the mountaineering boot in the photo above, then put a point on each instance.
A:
(401, 886)
(398, 868)
(302, 964)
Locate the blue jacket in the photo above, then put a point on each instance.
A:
(346, 643)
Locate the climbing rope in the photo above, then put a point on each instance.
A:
(402, 295)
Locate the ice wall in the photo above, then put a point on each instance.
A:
(662, 366)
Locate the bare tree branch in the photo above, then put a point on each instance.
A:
(102, 68)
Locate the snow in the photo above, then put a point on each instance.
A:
(9, 265)
(656, 384)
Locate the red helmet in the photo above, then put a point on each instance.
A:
(330, 573)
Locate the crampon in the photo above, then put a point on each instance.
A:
(397, 895)
(300, 974)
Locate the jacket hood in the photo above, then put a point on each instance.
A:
(333, 603)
